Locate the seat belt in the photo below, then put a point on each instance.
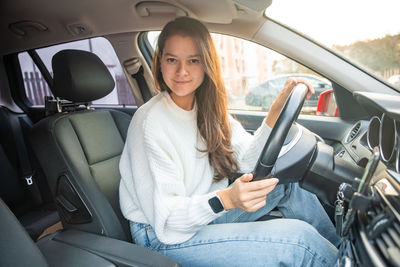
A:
(27, 175)
(136, 70)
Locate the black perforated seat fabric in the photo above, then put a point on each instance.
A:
(80, 151)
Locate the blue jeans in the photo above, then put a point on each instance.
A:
(306, 237)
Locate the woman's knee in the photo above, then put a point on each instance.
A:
(300, 231)
(308, 240)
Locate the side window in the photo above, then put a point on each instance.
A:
(36, 87)
(261, 75)
(254, 75)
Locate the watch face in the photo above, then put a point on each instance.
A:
(215, 204)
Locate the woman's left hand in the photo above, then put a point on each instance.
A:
(291, 83)
(280, 100)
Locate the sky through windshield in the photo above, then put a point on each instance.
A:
(339, 22)
(365, 31)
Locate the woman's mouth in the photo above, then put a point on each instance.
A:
(181, 82)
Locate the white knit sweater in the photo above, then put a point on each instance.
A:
(165, 181)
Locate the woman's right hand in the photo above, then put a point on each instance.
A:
(245, 195)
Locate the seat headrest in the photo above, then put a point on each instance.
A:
(80, 76)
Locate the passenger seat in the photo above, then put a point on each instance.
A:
(79, 151)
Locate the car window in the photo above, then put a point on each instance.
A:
(369, 37)
(254, 75)
(315, 82)
(278, 83)
(36, 87)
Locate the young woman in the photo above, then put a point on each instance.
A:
(182, 147)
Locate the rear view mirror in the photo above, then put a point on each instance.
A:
(327, 104)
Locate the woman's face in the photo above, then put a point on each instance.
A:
(182, 69)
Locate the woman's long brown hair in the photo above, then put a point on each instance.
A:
(212, 117)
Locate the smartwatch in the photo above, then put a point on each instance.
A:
(216, 204)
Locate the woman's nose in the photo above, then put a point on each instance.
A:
(182, 69)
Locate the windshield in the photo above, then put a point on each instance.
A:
(364, 31)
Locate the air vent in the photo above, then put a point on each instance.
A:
(353, 133)
(384, 232)
(389, 245)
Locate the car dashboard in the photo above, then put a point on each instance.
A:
(373, 239)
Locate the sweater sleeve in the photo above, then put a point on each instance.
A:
(174, 216)
(248, 147)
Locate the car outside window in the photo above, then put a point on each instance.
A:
(36, 88)
(254, 75)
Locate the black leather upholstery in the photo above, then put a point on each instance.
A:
(17, 248)
(80, 76)
(80, 151)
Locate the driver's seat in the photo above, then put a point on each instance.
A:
(80, 150)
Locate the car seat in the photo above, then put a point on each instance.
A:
(79, 150)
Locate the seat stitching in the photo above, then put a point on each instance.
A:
(79, 140)
(101, 161)
(116, 126)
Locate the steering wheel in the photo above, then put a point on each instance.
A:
(272, 147)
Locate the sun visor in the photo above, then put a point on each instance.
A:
(209, 11)
(151, 8)
(256, 5)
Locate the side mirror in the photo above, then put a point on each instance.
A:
(327, 104)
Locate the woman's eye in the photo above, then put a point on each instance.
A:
(171, 60)
(194, 60)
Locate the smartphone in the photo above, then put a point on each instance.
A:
(362, 188)
(369, 171)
